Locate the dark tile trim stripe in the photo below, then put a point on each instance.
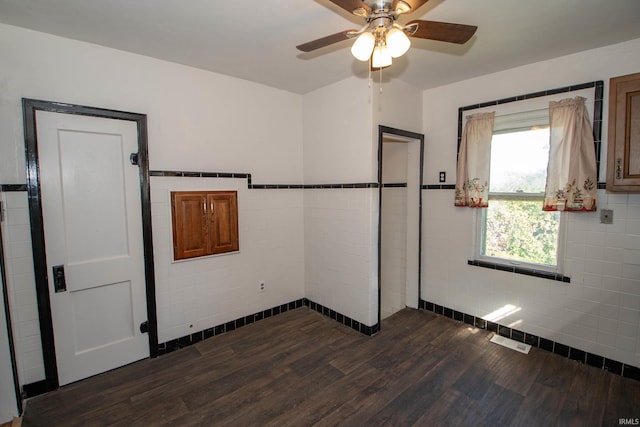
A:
(247, 176)
(187, 340)
(521, 270)
(194, 174)
(439, 187)
(596, 84)
(600, 362)
(325, 186)
(601, 186)
(13, 187)
(395, 185)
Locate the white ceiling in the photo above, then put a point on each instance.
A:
(255, 40)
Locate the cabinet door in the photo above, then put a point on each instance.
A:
(190, 226)
(623, 154)
(223, 231)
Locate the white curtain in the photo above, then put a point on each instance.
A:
(571, 172)
(474, 160)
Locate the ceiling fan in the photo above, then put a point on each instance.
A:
(383, 38)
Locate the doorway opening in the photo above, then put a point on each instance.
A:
(400, 165)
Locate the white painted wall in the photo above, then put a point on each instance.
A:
(338, 134)
(197, 120)
(393, 233)
(600, 310)
(398, 106)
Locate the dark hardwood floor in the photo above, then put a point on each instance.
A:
(300, 368)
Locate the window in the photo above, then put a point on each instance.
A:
(514, 217)
(514, 228)
(204, 223)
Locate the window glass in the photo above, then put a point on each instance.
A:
(514, 227)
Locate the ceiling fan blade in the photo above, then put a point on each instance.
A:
(325, 41)
(413, 4)
(352, 5)
(443, 31)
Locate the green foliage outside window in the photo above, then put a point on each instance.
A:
(515, 226)
(521, 231)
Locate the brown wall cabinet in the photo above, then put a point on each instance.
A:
(623, 153)
(204, 223)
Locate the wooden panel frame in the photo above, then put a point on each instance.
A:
(621, 135)
(204, 223)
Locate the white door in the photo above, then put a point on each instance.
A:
(93, 232)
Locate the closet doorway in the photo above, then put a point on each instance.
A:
(400, 163)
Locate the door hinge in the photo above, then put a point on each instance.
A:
(144, 327)
(133, 158)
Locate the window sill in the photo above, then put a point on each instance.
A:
(521, 270)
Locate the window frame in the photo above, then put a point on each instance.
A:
(531, 269)
(208, 231)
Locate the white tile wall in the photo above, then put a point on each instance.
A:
(599, 311)
(341, 251)
(197, 294)
(21, 286)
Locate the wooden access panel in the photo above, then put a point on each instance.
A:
(204, 223)
(623, 154)
(223, 233)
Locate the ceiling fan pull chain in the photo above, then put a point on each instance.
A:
(380, 80)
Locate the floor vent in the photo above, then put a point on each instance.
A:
(509, 343)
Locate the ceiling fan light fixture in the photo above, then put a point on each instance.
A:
(381, 57)
(363, 46)
(397, 42)
(402, 7)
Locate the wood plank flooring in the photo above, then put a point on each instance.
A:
(301, 369)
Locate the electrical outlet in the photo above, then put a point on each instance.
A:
(442, 177)
(606, 216)
(261, 286)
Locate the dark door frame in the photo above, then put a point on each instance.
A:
(382, 131)
(29, 109)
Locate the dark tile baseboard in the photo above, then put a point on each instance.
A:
(345, 320)
(34, 389)
(600, 362)
(187, 340)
